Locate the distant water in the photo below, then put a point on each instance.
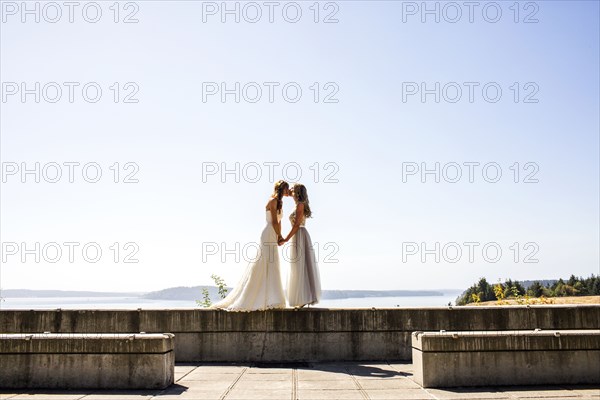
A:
(135, 302)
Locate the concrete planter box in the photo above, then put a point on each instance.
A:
(489, 358)
(86, 361)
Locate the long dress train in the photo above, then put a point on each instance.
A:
(260, 287)
(304, 282)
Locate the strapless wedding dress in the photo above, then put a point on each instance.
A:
(260, 287)
(304, 282)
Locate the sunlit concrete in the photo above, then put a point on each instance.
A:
(318, 381)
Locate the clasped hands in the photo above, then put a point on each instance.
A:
(280, 240)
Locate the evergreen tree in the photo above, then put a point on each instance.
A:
(595, 286)
(485, 290)
(572, 280)
(536, 289)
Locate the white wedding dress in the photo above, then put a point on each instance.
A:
(260, 287)
(304, 282)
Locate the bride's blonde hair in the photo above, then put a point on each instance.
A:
(280, 187)
(301, 196)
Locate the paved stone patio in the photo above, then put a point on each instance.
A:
(308, 381)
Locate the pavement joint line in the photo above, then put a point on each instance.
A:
(362, 391)
(433, 396)
(224, 395)
(294, 384)
(403, 376)
(402, 373)
(164, 390)
(189, 372)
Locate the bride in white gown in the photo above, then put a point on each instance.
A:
(260, 287)
(304, 282)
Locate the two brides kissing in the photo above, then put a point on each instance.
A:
(260, 287)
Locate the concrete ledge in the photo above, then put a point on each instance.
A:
(314, 334)
(86, 361)
(479, 358)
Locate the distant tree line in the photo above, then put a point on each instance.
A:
(574, 286)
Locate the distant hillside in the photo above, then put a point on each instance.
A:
(195, 293)
(345, 294)
(13, 293)
(182, 293)
(543, 282)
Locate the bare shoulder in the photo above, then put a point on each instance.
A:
(300, 206)
(271, 203)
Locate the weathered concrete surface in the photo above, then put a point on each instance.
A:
(99, 361)
(332, 381)
(486, 358)
(313, 334)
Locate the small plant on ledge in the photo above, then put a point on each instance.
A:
(221, 287)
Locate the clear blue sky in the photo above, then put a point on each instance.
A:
(368, 134)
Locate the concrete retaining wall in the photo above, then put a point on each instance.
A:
(304, 335)
(490, 358)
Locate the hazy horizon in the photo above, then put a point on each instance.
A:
(228, 286)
